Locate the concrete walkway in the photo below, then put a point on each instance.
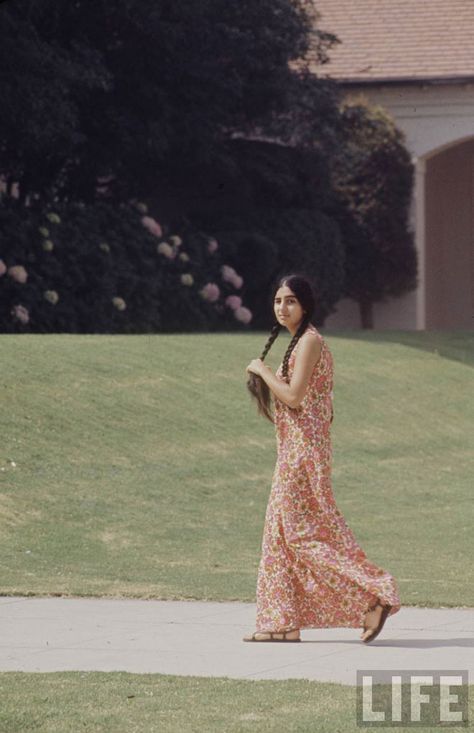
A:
(201, 638)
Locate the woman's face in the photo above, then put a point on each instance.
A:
(288, 309)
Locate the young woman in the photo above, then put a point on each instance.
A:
(312, 572)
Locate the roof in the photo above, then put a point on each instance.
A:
(394, 40)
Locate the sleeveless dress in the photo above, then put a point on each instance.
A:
(312, 572)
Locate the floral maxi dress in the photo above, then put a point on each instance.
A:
(312, 572)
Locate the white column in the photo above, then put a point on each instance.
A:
(418, 214)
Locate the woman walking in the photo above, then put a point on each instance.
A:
(312, 572)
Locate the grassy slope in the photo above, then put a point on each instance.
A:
(143, 468)
(117, 702)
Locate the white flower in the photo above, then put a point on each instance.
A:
(183, 256)
(163, 248)
(53, 218)
(18, 273)
(51, 296)
(104, 247)
(176, 241)
(212, 245)
(119, 303)
(44, 231)
(142, 208)
(187, 279)
(48, 245)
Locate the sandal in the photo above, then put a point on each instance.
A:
(376, 629)
(273, 636)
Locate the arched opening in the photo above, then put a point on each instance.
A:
(449, 237)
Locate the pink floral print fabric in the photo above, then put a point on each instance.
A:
(312, 572)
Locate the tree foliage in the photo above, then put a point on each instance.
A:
(208, 107)
(128, 89)
(372, 180)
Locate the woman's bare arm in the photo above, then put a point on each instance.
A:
(307, 357)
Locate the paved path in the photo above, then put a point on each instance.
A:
(201, 638)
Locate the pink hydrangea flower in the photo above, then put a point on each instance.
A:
(20, 313)
(244, 315)
(233, 301)
(228, 273)
(210, 292)
(152, 226)
(18, 273)
(212, 245)
(3, 268)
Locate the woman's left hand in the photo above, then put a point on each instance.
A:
(256, 366)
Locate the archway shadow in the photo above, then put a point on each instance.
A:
(453, 345)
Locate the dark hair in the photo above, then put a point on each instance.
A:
(303, 290)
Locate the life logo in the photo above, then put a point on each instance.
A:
(418, 698)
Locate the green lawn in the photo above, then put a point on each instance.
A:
(143, 469)
(117, 702)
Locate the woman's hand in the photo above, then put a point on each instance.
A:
(257, 366)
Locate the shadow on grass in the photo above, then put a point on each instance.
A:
(454, 345)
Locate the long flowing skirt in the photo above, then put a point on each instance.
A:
(312, 572)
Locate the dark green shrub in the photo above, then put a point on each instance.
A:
(264, 244)
(372, 179)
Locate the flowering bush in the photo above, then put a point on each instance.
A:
(107, 269)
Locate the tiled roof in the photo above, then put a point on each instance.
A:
(398, 39)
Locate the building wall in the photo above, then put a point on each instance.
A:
(450, 237)
(435, 118)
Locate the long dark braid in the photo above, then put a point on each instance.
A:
(257, 387)
(301, 329)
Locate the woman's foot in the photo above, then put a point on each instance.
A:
(374, 621)
(292, 635)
